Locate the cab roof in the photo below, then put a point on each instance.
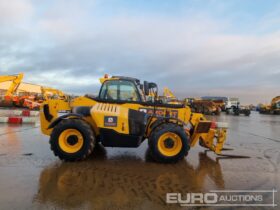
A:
(126, 78)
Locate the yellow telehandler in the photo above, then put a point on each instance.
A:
(121, 116)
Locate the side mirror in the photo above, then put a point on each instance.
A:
(152, 85)
(146, 88)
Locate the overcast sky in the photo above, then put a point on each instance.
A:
(196, 48)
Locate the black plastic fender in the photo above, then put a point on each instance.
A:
(57, 120)
(162, 120)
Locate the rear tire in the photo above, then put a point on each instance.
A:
(169, 143)
(72, 140)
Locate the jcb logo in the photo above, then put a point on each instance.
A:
(110, 121)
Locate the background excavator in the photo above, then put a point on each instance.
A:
(207, 107)
(272, 108)
(48, 93)
(13, 97)
(169, 97)
(9, 98)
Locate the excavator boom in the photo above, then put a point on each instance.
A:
(168, 93)
(48, 91)
(16, 80)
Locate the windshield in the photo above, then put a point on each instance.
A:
(119, 90)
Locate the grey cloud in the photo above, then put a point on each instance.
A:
(15, 11)
(192, 56)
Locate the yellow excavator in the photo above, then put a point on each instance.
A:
(121, 116)
(198, 105)
(49, 93)
(9, 99)
(13, 99)
(46, 93)
(273, 108)
(169, 97)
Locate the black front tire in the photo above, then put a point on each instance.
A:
(154, 138)
(88, 139)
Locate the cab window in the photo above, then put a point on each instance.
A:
(119, 90)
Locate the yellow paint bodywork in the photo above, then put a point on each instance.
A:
(99, 110)
(55, 106)
(208, 139)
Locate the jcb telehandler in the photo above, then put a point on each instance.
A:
(120, 116)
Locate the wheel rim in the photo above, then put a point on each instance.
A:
(70, 140)
(169, 144)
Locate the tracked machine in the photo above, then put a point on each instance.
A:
(121, 116)
(9, 98)
(48, 93)
(12, 97)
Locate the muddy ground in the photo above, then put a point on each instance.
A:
(116, 178)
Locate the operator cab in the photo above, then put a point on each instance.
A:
(126, 89)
